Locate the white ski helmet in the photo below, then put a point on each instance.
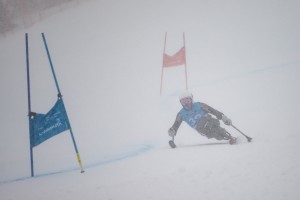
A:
(185, 94)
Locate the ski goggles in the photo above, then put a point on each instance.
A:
(187, 101)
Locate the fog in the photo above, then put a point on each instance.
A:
(19, 14)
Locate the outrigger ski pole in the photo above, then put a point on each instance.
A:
(248, 138)
(171, 143)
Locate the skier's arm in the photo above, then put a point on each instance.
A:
(212, 111)
(218, 114)
(175, 126)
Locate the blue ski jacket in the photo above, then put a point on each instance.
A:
(193, 116)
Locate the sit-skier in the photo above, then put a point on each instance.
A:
(199, 116)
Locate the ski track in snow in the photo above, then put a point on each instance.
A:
(125, 154)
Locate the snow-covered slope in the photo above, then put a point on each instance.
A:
(242, 59)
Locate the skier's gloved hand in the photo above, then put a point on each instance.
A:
(172, 132)
(226, 120)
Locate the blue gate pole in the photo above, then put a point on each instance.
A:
(51, 65)
(29, 102)
(60, 97)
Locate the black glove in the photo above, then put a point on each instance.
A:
(172, 132)
(226, 120)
